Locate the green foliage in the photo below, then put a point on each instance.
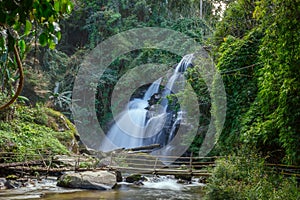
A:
(20, 23)
(273, 121)
(263, 100)
(195, 78)
(21, 16)
(237, 21)
(106, 18)
(246, 177)
(239, 64)
(59, 71)
(33, 131)
(26, 140)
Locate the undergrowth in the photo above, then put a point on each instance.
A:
(246, 177)
(33, 132)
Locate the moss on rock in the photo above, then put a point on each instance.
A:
(134, 177)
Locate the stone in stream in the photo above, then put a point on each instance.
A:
(135, 178)
(2, 183)
(99, 180)
(202, 179)
(12, 184)
(185, 177)
(119, 176)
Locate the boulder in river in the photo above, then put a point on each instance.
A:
(12, 184)
(185, 177)
(99, 180)
(134, 178)
(119, 176)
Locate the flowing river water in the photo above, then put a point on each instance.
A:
(162, 188)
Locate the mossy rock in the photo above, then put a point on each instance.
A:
(97, 180)
(65, 131)
(65, 181)
(132, 178)
(58, 122)
(118, 175)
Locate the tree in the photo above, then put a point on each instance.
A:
(20, 22)
(237, 21)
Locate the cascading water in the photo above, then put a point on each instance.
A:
(142, 123)
(152, 89)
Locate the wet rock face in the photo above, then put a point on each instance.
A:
(100, 180)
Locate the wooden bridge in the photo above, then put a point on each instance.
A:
(46, 163)
(161, 165)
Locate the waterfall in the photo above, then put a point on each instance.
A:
(177, 77)
(152, 89)
(144, 123)
(175, 126)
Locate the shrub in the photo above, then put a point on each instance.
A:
(245, 177)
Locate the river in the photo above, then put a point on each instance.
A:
(164, 188)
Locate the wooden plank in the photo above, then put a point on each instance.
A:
(160, 170)
(162, 156)
(46, 169)
(14, 164)
(194, 163)
(282, 165)
(164, 171)
(146, 159)
(160, 166)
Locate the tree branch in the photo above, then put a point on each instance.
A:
(21, 80)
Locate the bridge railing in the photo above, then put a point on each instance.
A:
(159, 164)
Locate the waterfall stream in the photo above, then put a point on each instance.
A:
(144, 123)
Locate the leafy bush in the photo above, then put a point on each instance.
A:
(246, 178)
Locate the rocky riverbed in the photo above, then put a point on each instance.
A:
(140, 187)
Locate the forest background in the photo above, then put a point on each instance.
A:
(255, 46)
